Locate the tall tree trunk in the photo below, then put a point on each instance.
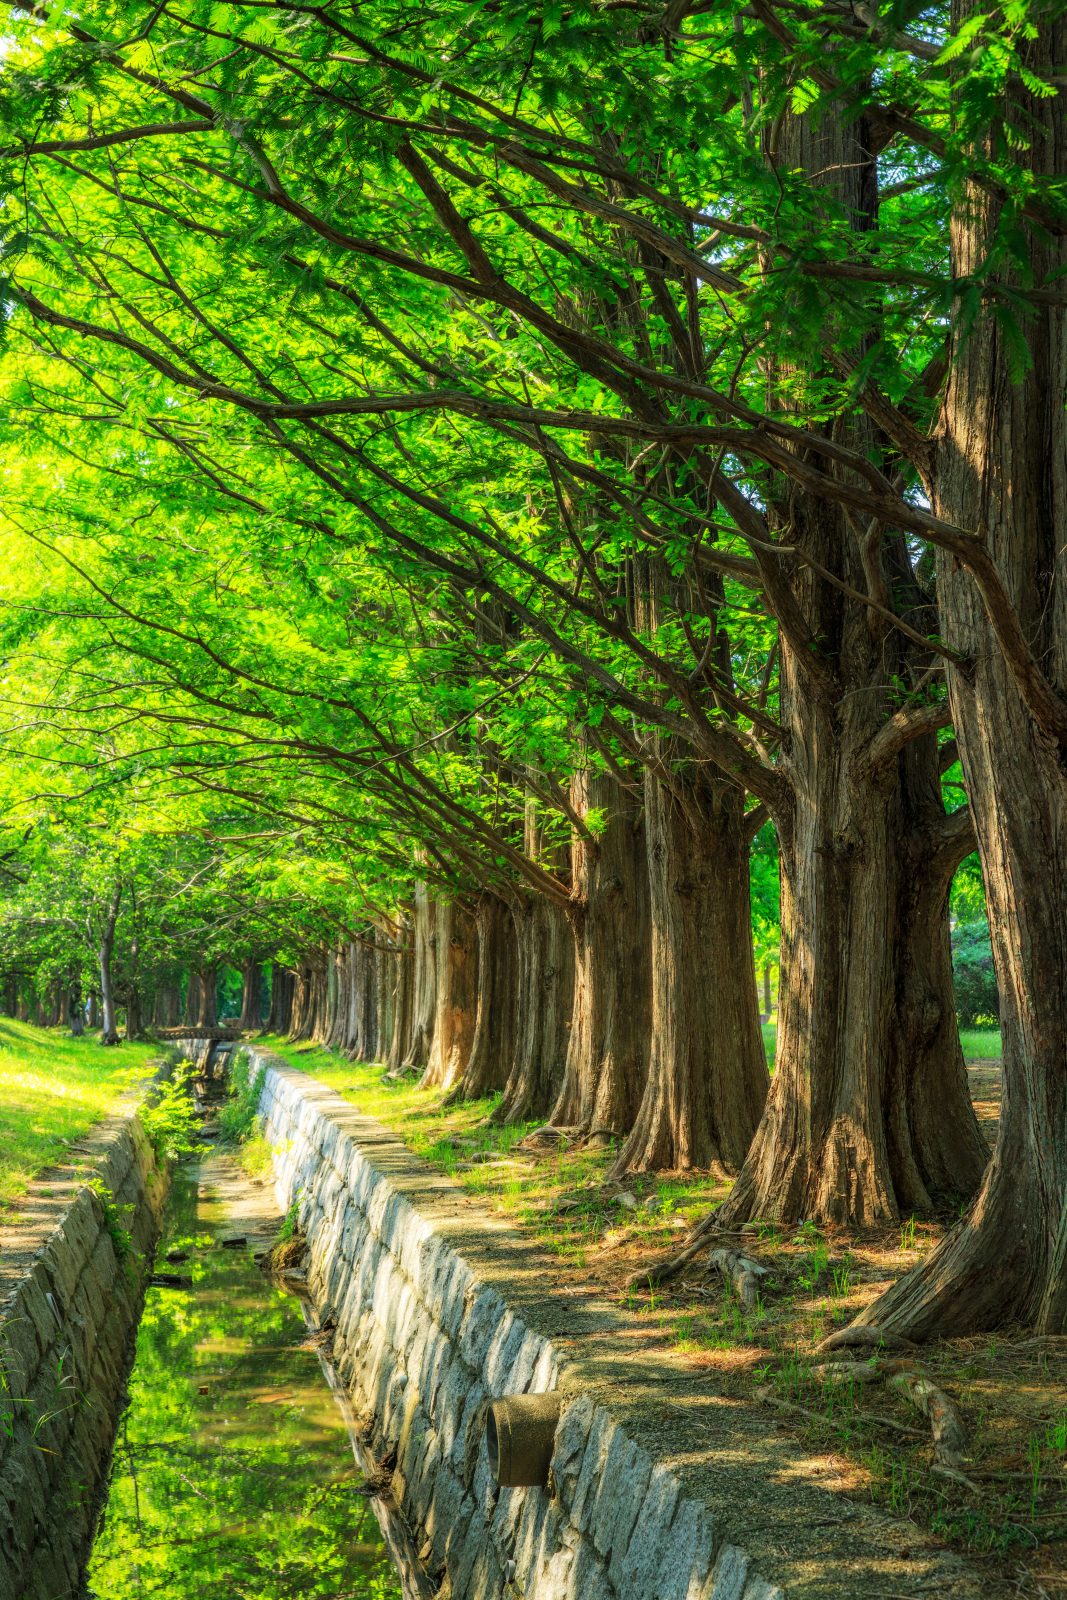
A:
(251, 1016)
(544, 1006)
(404, 992)
(843, 1137)
(868, 1115)
(456, 946)
(608, 1054)
(134, 1017)
(282, 984)
(493, 1045)
(203, 998)
(109, 1033)
(424, 1000)
(92, 1020)
(707, 1078)
(1002, 469)
(76, 1010)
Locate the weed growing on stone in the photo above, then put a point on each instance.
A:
(114, 1219)
(170, 1119)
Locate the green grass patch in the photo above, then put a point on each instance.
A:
(981, 1044)
(52, 1089)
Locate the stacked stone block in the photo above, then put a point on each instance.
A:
(422, 1344)
(67, 1324)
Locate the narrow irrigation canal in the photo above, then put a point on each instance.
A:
(234, 1477)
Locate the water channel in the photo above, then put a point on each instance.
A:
(233, 1477)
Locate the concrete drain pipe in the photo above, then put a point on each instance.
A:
(520, 1430)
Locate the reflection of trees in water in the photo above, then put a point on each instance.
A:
(229, 1481)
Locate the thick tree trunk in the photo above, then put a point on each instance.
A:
(493, 1045)
(92, 1020)
(282, 984)
(608, 1054)
(201, 1010)
(544, 1006)
(1002, 469)
(868, 1115)
(166, 1006)
(109, 1033)
(134, 1016)
(251, 1016)
(385, 998)
(404, 997)
(456, 946)
(424, 997)
(76, 1010)
(707, 1079)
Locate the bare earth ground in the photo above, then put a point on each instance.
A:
(702, 1350)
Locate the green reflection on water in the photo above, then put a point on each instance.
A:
(233, 1476)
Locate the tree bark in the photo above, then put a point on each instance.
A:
(868, 1116)
(493, 1045)
(201, 1001)
(608, 1053)
(251, 1017)
(843, 1138)
(134, 1017)
(1002, 470)
(76, 1010)
(707, 1079)
(109, 1033)
(282, 982)
(404, 992)
(544, 1005)
(456, 948)
(424, 1001)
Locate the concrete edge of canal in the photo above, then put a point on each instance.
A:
(72, 1280)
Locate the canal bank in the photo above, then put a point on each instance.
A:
(72, 1275)
(659, 1488)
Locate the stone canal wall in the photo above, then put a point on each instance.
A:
(423, 1341)
(71, 1289)
(662, 1487)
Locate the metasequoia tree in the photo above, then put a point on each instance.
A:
(776, 406)
(700, 326)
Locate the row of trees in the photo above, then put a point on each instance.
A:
(493, 468)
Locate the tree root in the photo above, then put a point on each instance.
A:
(769, 1399)
(742, 1272)
(919, 1390)
(670, 1266)
(864, 1336)
(950, 1435)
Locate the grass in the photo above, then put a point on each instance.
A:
(979, 1044)
(599, 1232)
(52, 1089)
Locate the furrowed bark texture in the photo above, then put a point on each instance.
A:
(544, 1004)
(424, 997)
(707, 1079)
(844, 1136)
(456, 950)
(251, 995)
(404, 996)
(607, 1059)
(282, 984)
(1002, 472)
(493, 1046)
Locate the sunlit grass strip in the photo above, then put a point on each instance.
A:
(52, 1089)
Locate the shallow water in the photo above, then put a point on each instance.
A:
(233, 1475)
